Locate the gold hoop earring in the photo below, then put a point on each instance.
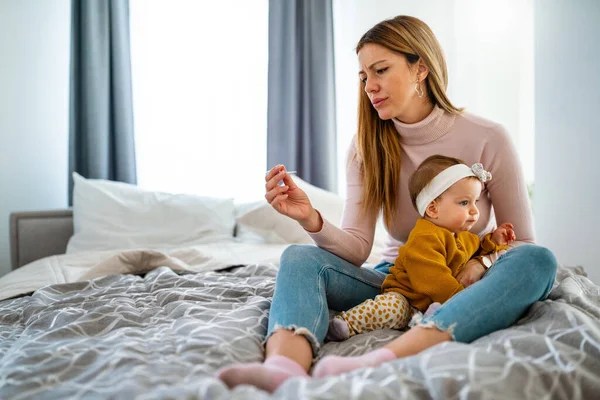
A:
(419, 90)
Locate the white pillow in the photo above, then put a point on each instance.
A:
(111, 215)
(259, 219)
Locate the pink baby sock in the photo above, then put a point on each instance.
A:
(266, 376)
(334, 365)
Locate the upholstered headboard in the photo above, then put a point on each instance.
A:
(39, 234)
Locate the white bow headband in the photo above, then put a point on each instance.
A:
(447, 178)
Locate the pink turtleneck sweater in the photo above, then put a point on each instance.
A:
(468, 137)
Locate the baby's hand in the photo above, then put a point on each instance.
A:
(504, 234)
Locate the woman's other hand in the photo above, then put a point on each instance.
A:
(471, 273)
(289, 200)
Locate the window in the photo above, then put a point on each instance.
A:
(200, 95)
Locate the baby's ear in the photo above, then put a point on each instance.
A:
(432, 210)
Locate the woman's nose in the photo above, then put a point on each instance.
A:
(370, 86)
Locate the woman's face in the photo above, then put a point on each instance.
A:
(390, 83)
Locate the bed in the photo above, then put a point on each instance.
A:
(107, 301)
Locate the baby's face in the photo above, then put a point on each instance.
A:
(457, 206)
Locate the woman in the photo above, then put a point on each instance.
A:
(404, 117)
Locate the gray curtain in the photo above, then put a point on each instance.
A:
(101, 140)
(301, 104)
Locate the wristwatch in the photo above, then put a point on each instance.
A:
(486, 262)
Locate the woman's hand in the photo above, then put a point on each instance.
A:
(504, 234)
(471, 273)
(289, 200)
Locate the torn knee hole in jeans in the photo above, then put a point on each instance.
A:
(312, 340)
(417, 320)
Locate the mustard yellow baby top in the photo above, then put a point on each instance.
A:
(427, 265)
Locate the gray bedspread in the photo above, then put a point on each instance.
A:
(164, 335)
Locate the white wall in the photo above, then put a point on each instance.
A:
(34, 74)
(567, 146)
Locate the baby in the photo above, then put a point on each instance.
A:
(444, 191)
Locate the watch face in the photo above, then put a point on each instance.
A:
(486, 261)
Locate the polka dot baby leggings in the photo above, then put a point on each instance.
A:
(388, 310)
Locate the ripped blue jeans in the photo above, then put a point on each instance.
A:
(312, 280)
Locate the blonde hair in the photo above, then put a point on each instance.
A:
(378, 148)
(426, 171)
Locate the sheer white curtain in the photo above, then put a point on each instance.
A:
(489, 51)
(200, 95)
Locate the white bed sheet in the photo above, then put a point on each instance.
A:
(68, 268)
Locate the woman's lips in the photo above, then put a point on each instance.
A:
(378, 102)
